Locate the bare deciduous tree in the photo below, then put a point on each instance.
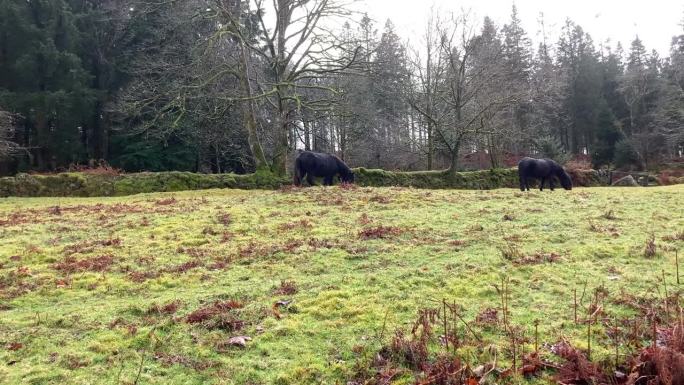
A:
(295, 45)
(7, 125)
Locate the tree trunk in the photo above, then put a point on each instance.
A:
(249, 115)
(217, 155)
(307, 135)
(431, 145)
(281, 145)
(453, 167)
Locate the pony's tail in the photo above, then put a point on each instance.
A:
(298, 174)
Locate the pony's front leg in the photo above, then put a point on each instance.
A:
(310, 179)
(552, 185)
(522, 184)
(541, 184)
(328, 181)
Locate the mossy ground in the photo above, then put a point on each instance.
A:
(79, 276)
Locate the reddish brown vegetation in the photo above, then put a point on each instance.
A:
(90, 246)
(14, 346)
(184, 267)
(71, 265)
(577, 369)
(537, 258)
(218, 315)
(457, 243)
(364, 220)
(380, 199)
(678, 236)
(16, 218)
(254, 249)
(579, 162)
(142, 276)
(316, 243)
(668, 177)
(286, 288)
(166, 201)
(167, 309)
(300, 224)
(488, 316)
(225, 219)
(380, 232)
(347, 186)
(662, 363)
(650, 248)
(96, 168)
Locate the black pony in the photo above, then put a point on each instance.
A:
(542, 169)
(315, 164)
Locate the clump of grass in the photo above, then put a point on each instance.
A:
(225, 219)
(380, 232)
(166, 202)
(300, 224)
(382, 199)
(364, 219)
(286, 288)
(511, 252)
(650, 249)
(609, 214)
(678, 236)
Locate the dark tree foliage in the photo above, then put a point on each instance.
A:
(608, 134)
(210, 86)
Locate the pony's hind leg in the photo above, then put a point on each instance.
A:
(310, 179)
(328, 181)
(541, 184)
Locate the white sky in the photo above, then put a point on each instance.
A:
(655, 21)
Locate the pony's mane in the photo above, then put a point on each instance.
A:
(563, 176)
(342, 166)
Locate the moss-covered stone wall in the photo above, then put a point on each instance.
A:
(484, 180)
(92, 185)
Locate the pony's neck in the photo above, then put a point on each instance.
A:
(343, 167)
(559, 172)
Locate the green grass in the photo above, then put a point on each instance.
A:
(83, 323)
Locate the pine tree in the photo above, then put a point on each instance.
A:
(608, 134)
(578, 62)
(45, 80)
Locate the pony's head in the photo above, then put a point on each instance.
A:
(564, 179)
(347, 176)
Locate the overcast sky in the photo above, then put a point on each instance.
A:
(655, 21)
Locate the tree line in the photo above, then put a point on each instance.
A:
(240, 86)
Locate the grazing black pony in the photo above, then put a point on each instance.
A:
(315, 164)
(542, 169)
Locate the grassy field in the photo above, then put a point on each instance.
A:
(149, 289)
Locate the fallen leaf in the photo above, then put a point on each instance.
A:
(240, 341)
(284, 302)
(14, 346)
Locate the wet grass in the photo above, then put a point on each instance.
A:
(150, 289)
